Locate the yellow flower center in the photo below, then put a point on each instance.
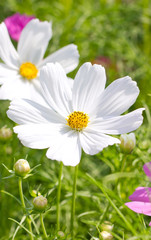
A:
(78, 120)
(28, 70)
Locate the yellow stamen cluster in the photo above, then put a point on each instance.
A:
(28, 70)
(77, 120)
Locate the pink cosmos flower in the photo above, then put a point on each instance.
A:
(147, 169)
(16, 23)
(141, 198)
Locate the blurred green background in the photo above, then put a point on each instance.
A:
(116, 34)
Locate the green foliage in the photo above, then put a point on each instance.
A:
(121, 32)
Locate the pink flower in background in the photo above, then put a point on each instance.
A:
(16, 23)
(105, 62)
(141, 197)
(147, 169)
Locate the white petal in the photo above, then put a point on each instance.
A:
(26, 111)
(118, 97)
(56, 90)
(70, 81)
(6, 73)
(36, 94)
(118, 125)
(15, 87)
(38, 136)
(7, 51)
(87, 88)
(93, 142)
(66, 148)
(67, 56)
(33, 41)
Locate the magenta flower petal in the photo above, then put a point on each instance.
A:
(147, 169)
(142, 194)
(150, 224)
(140, 207)
(16, 23)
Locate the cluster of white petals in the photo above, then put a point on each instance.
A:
(31, 48)
(57, 124)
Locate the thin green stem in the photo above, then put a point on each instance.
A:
(124, 158)
(100, 186)
(58, 196)
(123, 162)
(73, 201)
(21, 193)
(30, 227)
(43, 226)
(24, 206)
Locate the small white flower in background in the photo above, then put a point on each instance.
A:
(106, 235)
(128, 142)
(21, 168)
(20, 71)
(40, 203)
(77, 118)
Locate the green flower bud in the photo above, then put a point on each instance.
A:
(5, 133)
(128, 142)
(34, 193)
(106, 235)
(8, 150)
(144, 144)
(21, 168)
(40, 203)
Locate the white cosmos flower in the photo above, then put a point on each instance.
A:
(20, 71)
(76, 119)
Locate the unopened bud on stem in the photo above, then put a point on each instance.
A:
(21, 168)
(128, 142)
(40, 203)
(5, 133)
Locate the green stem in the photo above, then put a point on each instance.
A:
(21, 193)
(58, 196)
(104, 191)
(43, 226)
(24, 206)
(123, 162)
(73, 201)
(30, 228)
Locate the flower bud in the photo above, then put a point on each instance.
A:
(144, 144)
(61, 234)
(128, 142)
(106, 235)
(5, 133)
(106, 226)
(40, 203)
(34, 193)
(8, 150)
(21, 168)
